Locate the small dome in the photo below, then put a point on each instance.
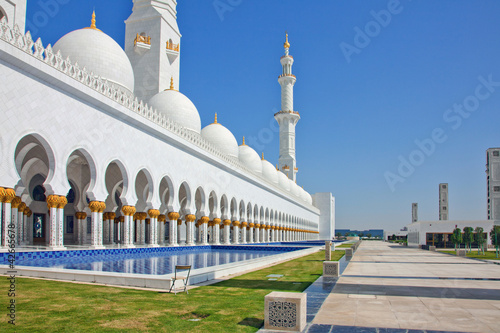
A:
(304, 195)
(294, 188)
(100, 54)
(249, 158)
(284, 181)
(178, 108)
(269, 172)
(222, 138)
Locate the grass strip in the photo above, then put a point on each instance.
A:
(234, 305)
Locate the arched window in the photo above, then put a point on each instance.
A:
(39, 193)
(71, 196)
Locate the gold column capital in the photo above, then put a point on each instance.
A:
(95, 206)
(52, 201)
(22, 207)
(9, 195)
(154, 213)
(121, 219)
(251, 224)
(81, 215)
(148, 221)
(236, 223)
(173, 216)
(111, 215)
(179, 222)
(62, 202)
(226, 222)
(244, 224)
(162, 218)
(190, 218)
(16, 202)
(204, 219)
(2, 194)
(217, 221)
(128, 210)
(28, 212)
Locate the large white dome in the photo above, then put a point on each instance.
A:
(269, 172)
(178, 108)
(222, 138)
(100, 54)
(284, 181)
(250, 158)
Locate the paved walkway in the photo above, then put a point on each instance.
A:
(391, 286)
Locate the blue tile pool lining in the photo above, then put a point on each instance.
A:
(149, 261)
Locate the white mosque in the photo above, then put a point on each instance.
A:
(99, 148)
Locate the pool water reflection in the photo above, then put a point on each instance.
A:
(156, 263)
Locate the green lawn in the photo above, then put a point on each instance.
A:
(235, 305)
(343, 246)
(487, 255)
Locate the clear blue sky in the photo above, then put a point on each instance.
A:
(358, 116)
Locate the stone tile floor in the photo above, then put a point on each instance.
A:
(390, 288)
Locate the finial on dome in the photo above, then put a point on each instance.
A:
(243, 144)
(287, 44)
(215, 121)
(92, 23)
(263, 156)
(172, 83)
(277, 169)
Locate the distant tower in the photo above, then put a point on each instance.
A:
(493, 183)
(152, 43)
(414, 212)
(443, 202)
(287, 118)
(14, 11)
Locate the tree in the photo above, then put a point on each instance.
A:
(495, 237)
(346, 234)
(338, 234)
(360, 234)
(456, 237)
(480, 239)
(468, 237)
(369, 235)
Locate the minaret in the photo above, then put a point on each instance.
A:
(287, 118)
(152, 43)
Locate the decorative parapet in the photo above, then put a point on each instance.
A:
(173, 47)
(287, 112)
(142, 39)
(142, 44)
(25, 43)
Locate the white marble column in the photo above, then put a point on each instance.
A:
(227, 232)
(216, 231)
(251, 232)
(153, 227)
(173, 217)
(257, 232)
(112, 227)
(8, 195)
(244, 226)
(96, 233)
(190, 229)
(204, 230)
(236, 232)
(162, 219)
(129, 212)
(179, 231)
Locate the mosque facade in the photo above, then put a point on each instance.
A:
(98, 147)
